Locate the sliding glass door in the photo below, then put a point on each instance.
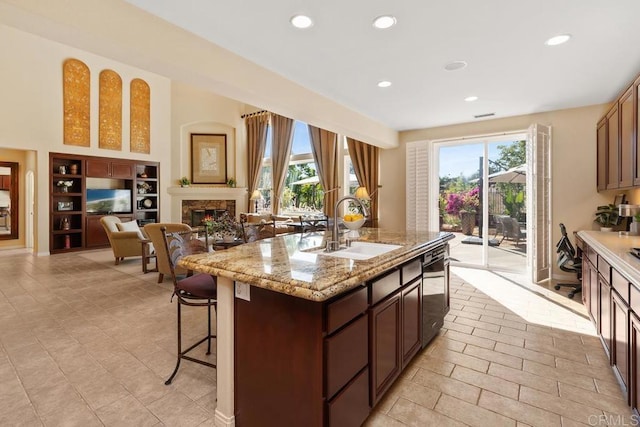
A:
(482, 201)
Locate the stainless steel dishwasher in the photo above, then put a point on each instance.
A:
(435, 291)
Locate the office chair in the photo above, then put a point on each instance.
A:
(569, 262)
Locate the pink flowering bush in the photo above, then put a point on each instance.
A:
(468, 201)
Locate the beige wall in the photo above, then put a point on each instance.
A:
(573, 153)
(31, 111)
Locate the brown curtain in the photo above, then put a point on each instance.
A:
(256, 144)
(282, 134)
(324, 146)
(364, 158)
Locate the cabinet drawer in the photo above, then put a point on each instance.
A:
(351, 406)
(345, 309)
(621, 285)
(591, 255)
(411, 270)
(604, 269)
(346, 354)
(385, 286)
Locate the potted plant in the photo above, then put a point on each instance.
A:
(607, 216)
(231, 183)
(184, 181)
(225, 227)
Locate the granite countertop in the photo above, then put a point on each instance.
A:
(615, 250)
(290, 264)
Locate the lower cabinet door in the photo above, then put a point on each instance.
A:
(411, 321)
(386, 361)
(604, 314)
(634, 361)
(619, 340)
(351, 406)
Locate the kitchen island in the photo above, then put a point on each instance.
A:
(309, 338)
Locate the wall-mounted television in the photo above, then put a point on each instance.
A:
(106, 201)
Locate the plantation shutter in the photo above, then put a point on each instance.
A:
(539, 200)
(417, 186)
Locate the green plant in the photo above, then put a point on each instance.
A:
(607, 215)
(513, 200)
(636, 217)
(231, 182)
(184, 181)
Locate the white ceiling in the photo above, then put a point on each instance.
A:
(509, 67)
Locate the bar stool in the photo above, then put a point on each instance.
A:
(199, 290)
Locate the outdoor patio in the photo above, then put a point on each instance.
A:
(505, 255)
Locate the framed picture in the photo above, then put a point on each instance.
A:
(65, 206)
(208, 158)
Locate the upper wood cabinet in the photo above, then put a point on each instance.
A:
(636, 126)
(602, 155)
(101, 168)
(613, 149)
(627, 142)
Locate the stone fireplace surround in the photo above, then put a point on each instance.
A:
(186, 199)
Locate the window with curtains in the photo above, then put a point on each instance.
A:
(303, 193)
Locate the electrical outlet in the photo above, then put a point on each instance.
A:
(243, 291)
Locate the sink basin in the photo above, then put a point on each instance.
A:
(360, 250)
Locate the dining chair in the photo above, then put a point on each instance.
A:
(198, 290)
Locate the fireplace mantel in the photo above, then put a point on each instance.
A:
(178, 194)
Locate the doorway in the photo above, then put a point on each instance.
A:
(483, 201)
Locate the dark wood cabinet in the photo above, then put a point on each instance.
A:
(636, 137)
(386, 360)
(110, 168)
(604, 313)
(634, 361)
(411, 321)
(626, 155)
(603, 161)
(68, 188)
(620, 339)
(613, 149)
(299, 362)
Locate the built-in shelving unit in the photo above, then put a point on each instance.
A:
(71, 226)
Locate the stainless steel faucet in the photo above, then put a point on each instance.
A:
(334, 243)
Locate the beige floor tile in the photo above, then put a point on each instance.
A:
(518, 410)
(471, 339)
(455, 325)
(452, 387)
(379, 419)
(585, 369)
(561, 406)
(594, 399)
(443, 342)
(472, 415)
(582, 381)
(547, 385)
(126, 411)
(413, 414)
(486, 382)
(460, 313)
(434, 364)
(499, 337)
(556, 352)
(493, 356)
(522, 325)
(526, 354)
(461, 359)
(177, 409)
(477, 324)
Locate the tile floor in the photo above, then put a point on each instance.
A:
(83, 342)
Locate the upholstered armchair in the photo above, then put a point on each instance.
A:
(155, 233)
(124, 237)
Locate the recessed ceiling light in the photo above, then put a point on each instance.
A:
(384, 83)
(554, 41)
(455, 65)
(301, 21)
(384, 21)
(471, 98)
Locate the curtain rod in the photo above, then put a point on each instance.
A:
(253, 114)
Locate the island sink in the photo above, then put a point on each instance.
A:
(360, 250)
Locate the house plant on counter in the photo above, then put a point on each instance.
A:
(607, 216)
(184, 181)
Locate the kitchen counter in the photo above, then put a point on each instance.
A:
(293, 265)
(291, 335)
(615, 250)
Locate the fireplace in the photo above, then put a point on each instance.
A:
(194, 211)
(204, 199)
